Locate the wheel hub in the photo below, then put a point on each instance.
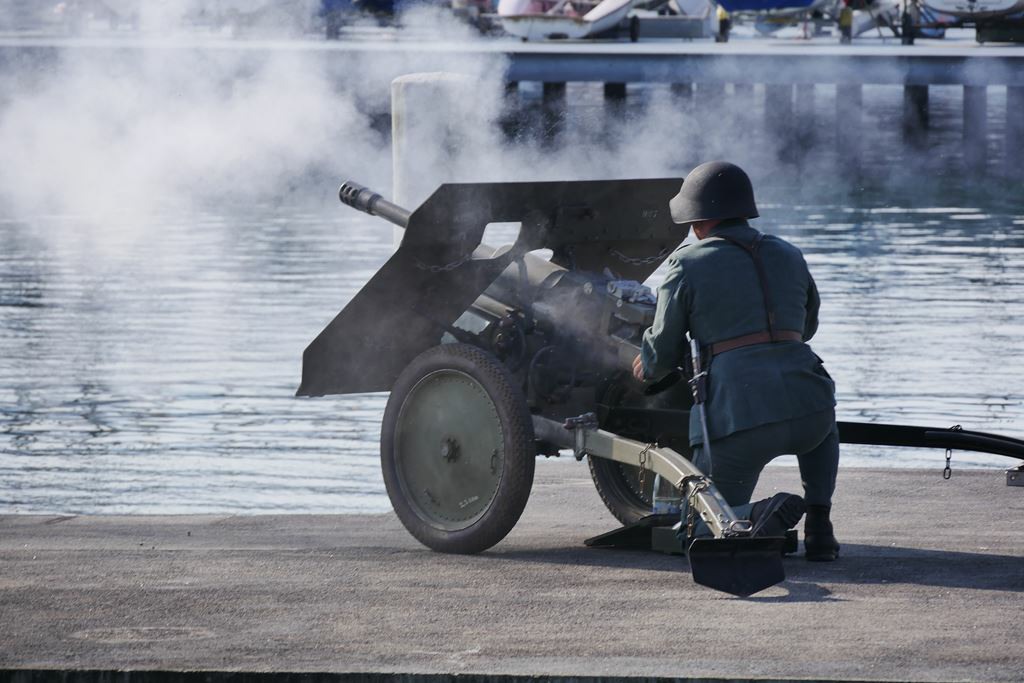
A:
(449, 449)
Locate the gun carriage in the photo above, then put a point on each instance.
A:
(494, 356)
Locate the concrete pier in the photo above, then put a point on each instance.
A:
(753, 61)
(930, 587)
(738, 61)
(710, 66)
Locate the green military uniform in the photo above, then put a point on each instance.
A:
(764, 399)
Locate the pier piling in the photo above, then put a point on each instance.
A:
(849, 114)
(778, 112)
(975, 127)
(714, 94)
(804, 120)
(553, 109)
(1013, 139)
(554, 91)
(743, 106)
(915, 114)
(615, 99)
(681, 90)
(615, 92)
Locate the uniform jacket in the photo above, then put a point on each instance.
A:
(712, 291)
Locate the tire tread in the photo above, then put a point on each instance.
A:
(520, 450)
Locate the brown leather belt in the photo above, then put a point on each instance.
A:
(755, 338)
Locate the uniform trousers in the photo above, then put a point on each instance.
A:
(737, 459)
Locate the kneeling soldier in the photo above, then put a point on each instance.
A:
(752, 303)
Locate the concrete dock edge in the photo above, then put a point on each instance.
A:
(98, 676)
(930, 587)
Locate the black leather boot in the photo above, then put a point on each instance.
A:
(773, 516)
(820, 544)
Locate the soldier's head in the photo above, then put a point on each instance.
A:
(713, 192)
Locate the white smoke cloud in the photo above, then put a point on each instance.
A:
(107, 134)
(112, 134)
(97, 143)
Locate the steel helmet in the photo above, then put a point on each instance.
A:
(715, 190)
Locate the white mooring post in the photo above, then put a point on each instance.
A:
(435, 119)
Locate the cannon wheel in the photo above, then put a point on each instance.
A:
(619, 487)
(457, 449)
(618, 484)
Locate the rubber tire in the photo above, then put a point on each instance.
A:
(610, 480)
(520, 451)
(616, 493)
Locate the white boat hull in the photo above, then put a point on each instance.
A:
(977, 9)
(540, 26)
(881, 13)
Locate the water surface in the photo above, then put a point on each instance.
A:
(149, 365)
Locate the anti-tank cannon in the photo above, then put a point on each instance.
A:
(495, 355)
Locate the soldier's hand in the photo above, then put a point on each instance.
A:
(638, 367)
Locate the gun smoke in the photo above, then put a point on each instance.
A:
(113, 134)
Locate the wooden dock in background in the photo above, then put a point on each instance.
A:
(788, 71)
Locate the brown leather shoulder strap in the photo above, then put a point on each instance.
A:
(753, 250)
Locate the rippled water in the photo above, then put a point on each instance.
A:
(162, 379)
(151, 368)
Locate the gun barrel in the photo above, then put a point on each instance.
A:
(368, 201)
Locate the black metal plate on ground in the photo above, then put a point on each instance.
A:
(635, 536)
(655, 532)
(738, 566)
